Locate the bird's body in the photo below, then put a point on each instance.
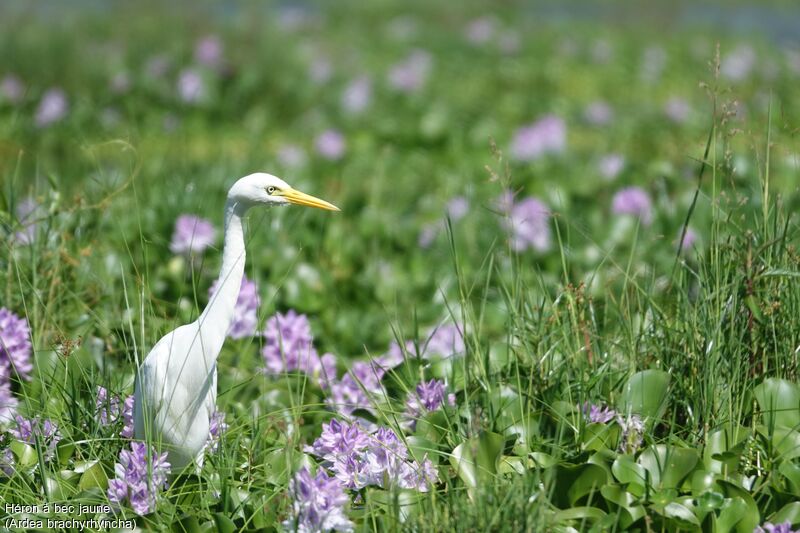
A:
(176, 385)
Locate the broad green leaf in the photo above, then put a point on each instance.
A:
(680, 512)
(543, 460)
(731, 515)
(510, 464)
(788, 513)
(786, 443)
(645, 394)
(186, 524)
(619, 496)
(94, 476)
(723, 449)
(702, 481)
(477, 457)
(791, 472)
(601, 436)
(631, 474)
(751, 517)
(580, 514)
(419, 448)
(779, 401)
(25, 454)
(668, 465)
(588, 482)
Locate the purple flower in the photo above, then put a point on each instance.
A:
(320, 71)
(216, 428)
(291, 156)
(7, 462)
(428, 396)
(677, 110)
(8, 403)
(245, 319)
(208, 51)
(45, 431)
(192, 87)
(547, 135)
(481, 30)
(330, 144)
(769, 527)
(288, 346)
(318, 504)
(52, 107)
(157, 66)
(596, 414)
(192, 235)
(357, 95)
(529, 224)
(120, 83)
(15, 345)
(738, 64)
(357, 389)
(339, 439)
(441, 342)
(689, 239)
(633, 201)
(140, 475)
(410, 75)
(28, 210)
(108, 411)
(428, 234)
(611, 165)
(632, 432)
(598, 113)
(12, 89)
(457, 208)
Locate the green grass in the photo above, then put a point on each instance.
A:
(702, 344)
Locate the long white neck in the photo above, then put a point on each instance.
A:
(216, 318)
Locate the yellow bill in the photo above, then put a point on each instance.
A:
(301, 198)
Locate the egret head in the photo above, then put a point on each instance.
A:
(265, 189)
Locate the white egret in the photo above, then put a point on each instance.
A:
(176, 385)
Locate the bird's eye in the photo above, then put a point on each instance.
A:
(270, 190)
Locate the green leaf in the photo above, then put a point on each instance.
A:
(724, 448)
(751, 517)
(223, 523)
(788, 513)
(791, 472)
(186, 524)
(631, 474)
(94, 476)
(588, 482)
(579, 513)
(601, 436)
(617, 495)
(25, 454)
(543, 460)
(680, 512)
(732, 513)
(779, 401)
(702, 481)
(645, 394)
(668, 465)
(477, 458)
(786, 443)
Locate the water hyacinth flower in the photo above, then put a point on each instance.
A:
(739, 63)
(357, 389)
(15, 345)
(633, 201)
(318, 504)
(357, 95)
(31, 430)
(610, 166)
(7, 462)
(529, 224)
(216, 428)
(8, 403)
(12, 89)
(428, 396)
(140, 476)
(331, 145)
(677, 110)
(545, 136)
(288, 346)
(769, 527)
(598, 113)
(358, 458)
(208, 51)
(457, 208)
(410, 75)
(481, 30)
(192, 87)
(596, 414)
(52, 107)
(291, 156)
(27, 210)
(632, 432)
(192, 235)
(689, 239)
(245, 319)
(109, 409)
